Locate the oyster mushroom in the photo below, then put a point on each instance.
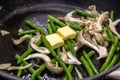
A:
(92, 10)
(68, 58)
(35, 39)
(102, 18)
(99, 38)
(113, 29)
(115, 74)
(37, 48)
(69, 18)
(102, 51)
(21, 39)
(7, 66)
(50, 66)
(116, 22)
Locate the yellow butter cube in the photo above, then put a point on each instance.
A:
(66, 33)
(54, 40)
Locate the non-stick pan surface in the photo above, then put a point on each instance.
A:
(37, 14)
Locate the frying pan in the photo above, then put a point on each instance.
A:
(37, 11)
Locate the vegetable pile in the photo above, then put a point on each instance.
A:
(58, 47)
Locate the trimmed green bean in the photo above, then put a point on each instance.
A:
(39, 70)
(83, 13)
(56, 20)
(90, 62)
(72, 50)
(27, 52)
(30, 69)
(112, 63)
(69, 76)
(54, 28)
(73, 41)
(34, 26)
(109, 32)
(87, 67)
(91, 53)
(110, 55)
(21, 33)
(49, 29)
(76, 26)
(107, 39)
(70, 47)
(19, 72)
(112, 15)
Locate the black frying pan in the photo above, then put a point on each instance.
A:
(38, 14)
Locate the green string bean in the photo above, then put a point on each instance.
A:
(55, 20)
(90, 62)
(34, 26)
(110, 55)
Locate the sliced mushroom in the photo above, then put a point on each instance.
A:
(21, 39)
(80, 77)
(115, 74)
(37, 37)
(19, 68)
(113, 29)
(37, 48)
(50, 66)
(100, 49)
(7, 66)
(98, 37)
(69, 18)
(102, 18)
(68, 58)
(71, 60)
(116, 22)
(92, 10)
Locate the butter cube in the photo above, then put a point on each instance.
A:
(66, 33)
(54, 40)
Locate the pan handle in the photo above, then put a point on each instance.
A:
(3, 74)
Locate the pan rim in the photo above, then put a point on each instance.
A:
(27, 10)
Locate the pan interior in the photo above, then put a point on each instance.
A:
(38, 15)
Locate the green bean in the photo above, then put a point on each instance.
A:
(83, 13)
(73, 41)
(112, 63)
(30, 69)
(112, 15)
(110, 55)
(58, 50)
(91, 53)
(87, 67)
(107, 39)
(54, 28)
(57, 58)
(19, 72)
(34, 26)
(109, 32)
(70, 47)
(72, 50)
(28, 51)
(76, 26)
(49, 29)
(55, 20)
(90, 62)
(21, 33)
(39, 70)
